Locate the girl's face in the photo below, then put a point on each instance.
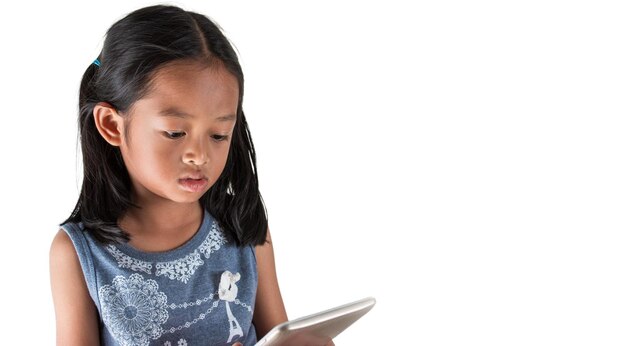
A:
(181, 129)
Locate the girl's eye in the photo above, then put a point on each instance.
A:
(174, 134)
(220, 138)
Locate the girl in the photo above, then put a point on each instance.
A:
(168, 243)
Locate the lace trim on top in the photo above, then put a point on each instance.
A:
(125, 261)
(180, 269)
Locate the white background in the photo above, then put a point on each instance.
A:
(463, 162)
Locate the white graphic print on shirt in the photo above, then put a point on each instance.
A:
(135, 311)
(180, 269)
(228, 293)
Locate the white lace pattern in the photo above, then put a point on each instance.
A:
(213, 241)
(125, 261)
(180, 269)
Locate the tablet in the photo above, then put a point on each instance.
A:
(319, 328)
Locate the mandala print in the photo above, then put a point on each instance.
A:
(133, 309)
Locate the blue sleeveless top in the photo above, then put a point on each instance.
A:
(201, 293)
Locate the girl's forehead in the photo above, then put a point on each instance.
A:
(193, 88)
(183, 77)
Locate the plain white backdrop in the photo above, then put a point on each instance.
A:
(462, 162)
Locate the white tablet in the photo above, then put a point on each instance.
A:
(319, 328)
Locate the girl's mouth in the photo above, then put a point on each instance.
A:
(193, 185)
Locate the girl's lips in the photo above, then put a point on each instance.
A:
(194, 176)
(193, 185)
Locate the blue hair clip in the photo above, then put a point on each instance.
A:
(97, 62)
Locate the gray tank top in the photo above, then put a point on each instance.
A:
(201, 293)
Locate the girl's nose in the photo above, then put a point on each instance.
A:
(195, 161)
(196, 153)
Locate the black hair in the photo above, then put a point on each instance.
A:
(134, 49)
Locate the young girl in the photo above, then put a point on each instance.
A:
(168, 243)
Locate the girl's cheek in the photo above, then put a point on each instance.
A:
(165, 148)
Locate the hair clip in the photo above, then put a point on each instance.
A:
(97, 62)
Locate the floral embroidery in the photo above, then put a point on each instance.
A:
(125, 261)
(133, 309)
(181, 269)
(213, 242)
(167, 343)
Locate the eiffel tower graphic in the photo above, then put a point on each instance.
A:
(235, 328)
(228, 292)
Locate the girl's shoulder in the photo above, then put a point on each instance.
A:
(62, 248)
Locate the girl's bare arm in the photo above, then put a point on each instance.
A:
(76, 314)
(269, 309)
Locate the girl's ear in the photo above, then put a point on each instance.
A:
(109, 123)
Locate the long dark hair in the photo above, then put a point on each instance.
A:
(135, 47)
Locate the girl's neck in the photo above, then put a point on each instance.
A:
(162, 220)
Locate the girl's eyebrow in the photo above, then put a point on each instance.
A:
(174, 112)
